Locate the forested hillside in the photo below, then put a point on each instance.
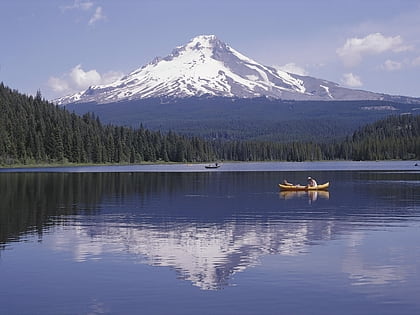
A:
(392, 138)
(34, 131)
(396, 137)
(248, 119)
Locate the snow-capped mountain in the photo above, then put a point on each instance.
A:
(207, 66)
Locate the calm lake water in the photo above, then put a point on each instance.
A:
(180, 239)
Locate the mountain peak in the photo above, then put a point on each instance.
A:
(208, 66)
(201, 43)
(203, 38)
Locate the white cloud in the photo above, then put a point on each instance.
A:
(87, 6)
(58, 85)
(84, 79)
(79, 5)
(416, 61)
(373, 44)
(111, 76)
(351, 80)
(292, 68)
(390, 65)
(78, 79)
(97, 16)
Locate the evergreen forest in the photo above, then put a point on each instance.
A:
(34, 131)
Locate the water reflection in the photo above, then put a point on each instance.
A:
(206, 226)
(311, 196)
(362, 272)
(206, 255)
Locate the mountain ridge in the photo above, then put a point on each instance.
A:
(206, 66)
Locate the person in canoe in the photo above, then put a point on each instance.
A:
(312, 182)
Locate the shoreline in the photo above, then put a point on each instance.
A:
(64, 165)
(226, 166)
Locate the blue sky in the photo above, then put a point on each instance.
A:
(63, 46)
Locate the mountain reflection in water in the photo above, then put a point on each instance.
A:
(206, 255)
(206, 226)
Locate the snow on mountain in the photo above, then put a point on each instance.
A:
(207, 66)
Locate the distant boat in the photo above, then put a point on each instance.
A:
(215, 165)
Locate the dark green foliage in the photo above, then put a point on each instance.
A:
(35, 131)
(396, 137)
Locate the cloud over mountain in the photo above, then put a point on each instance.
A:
(351, 80)
(77, 79)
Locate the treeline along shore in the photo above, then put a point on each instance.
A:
(34, 131)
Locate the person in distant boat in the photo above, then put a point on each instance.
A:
(312, 182)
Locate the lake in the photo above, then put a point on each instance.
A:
(181, 239)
